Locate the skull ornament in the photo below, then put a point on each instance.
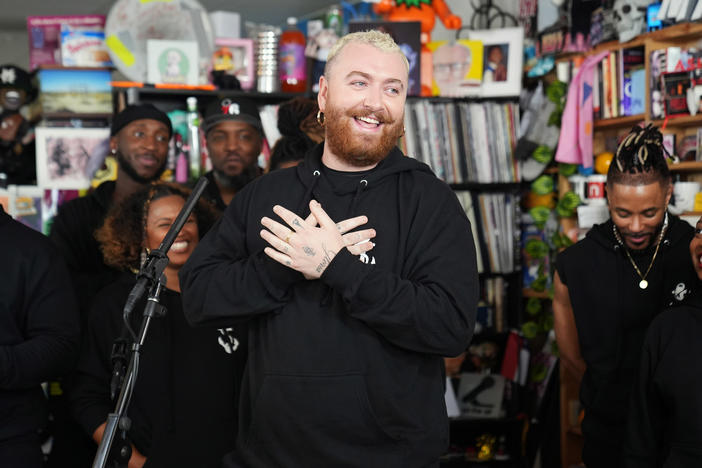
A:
(630, 18)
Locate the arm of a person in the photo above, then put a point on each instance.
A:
(222, 283)
(645, 421)
(431, 306)
(566, 332)
(50, 325)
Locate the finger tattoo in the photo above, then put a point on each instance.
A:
(296, 222)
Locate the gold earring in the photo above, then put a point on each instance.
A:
(320, 118)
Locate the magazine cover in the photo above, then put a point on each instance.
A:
(406, 34)
(457, 66)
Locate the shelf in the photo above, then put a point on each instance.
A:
(687, 166)
(488, 187)
(528, 292)
(680, 121)
(619, 122)
(204, 92)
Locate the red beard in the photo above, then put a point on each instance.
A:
(356, 149)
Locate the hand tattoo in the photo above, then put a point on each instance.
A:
(326, 260)
(309, 251)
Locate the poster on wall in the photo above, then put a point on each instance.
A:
(67, 156)
(407, 35)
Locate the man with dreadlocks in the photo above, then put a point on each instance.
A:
(609, 286)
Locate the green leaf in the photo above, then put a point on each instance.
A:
(542, 154)
(530, 329)
(554, 120)
(533, 306)
(547, 324)
(538, 373)
(542, 185)
(567, 170)
(536, 248)
(540, 215)
(539, 284)
(556, 91)
(567, 204)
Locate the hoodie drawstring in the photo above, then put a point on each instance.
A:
(361, 186)
(316, 175)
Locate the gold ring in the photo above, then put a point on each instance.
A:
(287, 239)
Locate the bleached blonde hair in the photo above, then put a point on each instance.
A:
(380, 40)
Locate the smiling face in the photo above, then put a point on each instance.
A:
(696, 249)
(363, 99)
(141, 149)
(233, 146)
(638, 211)
(162, 213)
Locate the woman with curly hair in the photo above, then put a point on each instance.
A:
(183, 409)
(300, 131)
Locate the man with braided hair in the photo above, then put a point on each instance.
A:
(609, 286)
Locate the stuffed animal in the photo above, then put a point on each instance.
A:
(425, 12)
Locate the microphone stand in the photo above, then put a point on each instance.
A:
(150, 276)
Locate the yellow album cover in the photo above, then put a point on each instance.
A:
(457, 67)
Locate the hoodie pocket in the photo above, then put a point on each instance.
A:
(330, 414)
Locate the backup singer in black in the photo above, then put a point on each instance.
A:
(610, 285)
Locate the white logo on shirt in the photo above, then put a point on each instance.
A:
(227, 340)
(365, 259)
(680, 292)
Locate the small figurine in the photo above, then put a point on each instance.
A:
(17, 157)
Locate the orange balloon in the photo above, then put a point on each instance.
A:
(602, 162)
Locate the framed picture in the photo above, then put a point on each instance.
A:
(407, 35)
(67, 156)
(80, 91)
(235, 57)
(456, 66)
(172, 62)
(502, 61)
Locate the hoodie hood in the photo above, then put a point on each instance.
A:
(603, 233)
(311, 174)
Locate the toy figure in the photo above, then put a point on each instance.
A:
(424, 12)
(17, 163)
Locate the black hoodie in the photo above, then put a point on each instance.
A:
(665, 420)
(345, 370)
(611, 316)
(39, 325)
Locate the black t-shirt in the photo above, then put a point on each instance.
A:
(612, 314)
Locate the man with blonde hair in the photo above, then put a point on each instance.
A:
(352, 294)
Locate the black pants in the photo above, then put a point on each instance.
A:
(21, 452)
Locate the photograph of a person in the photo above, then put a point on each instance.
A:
(495, 63)
(64, 156)
(457, 66)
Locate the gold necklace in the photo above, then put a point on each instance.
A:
(643, 284)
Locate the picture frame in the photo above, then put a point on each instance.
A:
(502, 61)
(59, 87)
(65, 157)
(172, 62)
(235, 57)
